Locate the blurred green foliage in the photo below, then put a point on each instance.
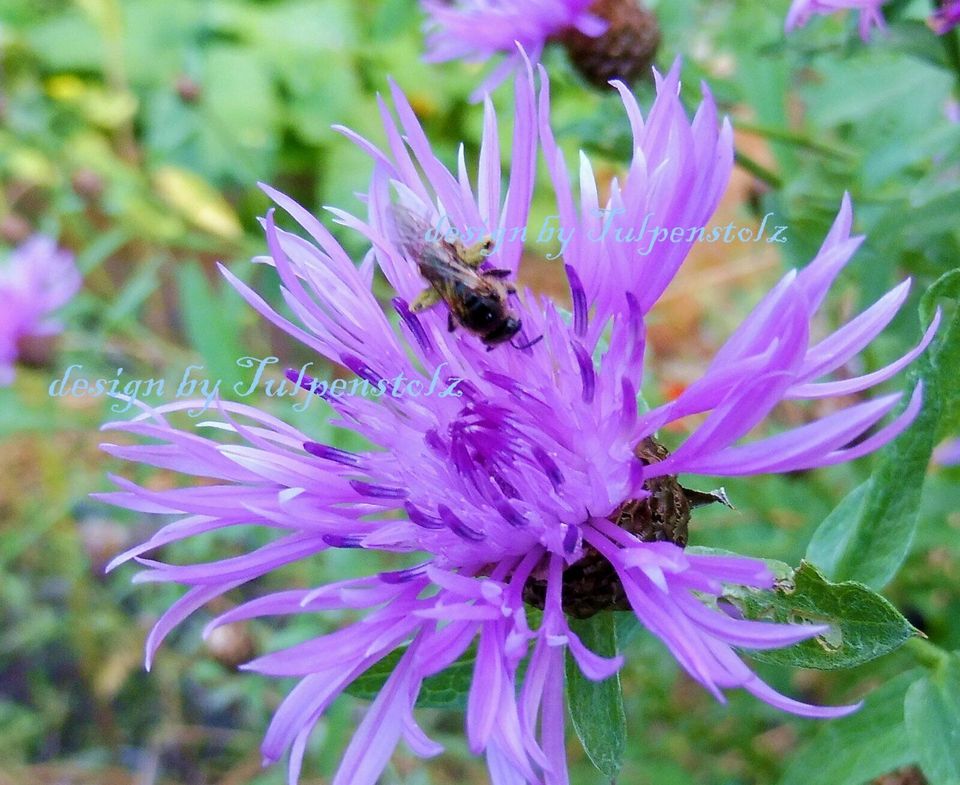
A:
(135, 131)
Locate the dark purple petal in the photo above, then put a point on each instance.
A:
(413, 324)
(332, 454)
(421, 519)
(434, 442)
(549, 466)
(342, 541)
(588, 376)
(510, 515)
(404, 576)
(377, 491)
(307, 382)
(571, 539)
(457, 526)
(579, 296)
(360, 368)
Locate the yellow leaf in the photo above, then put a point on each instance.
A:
(102, 106)
(32, 166)
(197, 201)
(65, 87)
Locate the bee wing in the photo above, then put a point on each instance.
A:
(408, 230)
(411, 233)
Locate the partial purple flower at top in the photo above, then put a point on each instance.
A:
(35, 280)
(606, 39)
(946, 17)
(870, 17)
(530, 478)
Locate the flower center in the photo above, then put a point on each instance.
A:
(591, 584)
(625, 51)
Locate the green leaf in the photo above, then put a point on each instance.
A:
(855, 749)
(868, 540)
(138, 287)
(597, 707)
(873, 85)
(863, 624)
(947, 358)
(216, 339)
(445, 690)
(932, 715)
(830, 539)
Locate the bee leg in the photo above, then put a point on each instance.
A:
(451, 325)
(474, 255)
(528, 344)
(498, 273)
(426, 299)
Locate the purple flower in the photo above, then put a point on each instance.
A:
(476, 30)
(541, 483)
(35, 280)
(870, 16)
(946, 17)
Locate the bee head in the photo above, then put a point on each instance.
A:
(504, 331)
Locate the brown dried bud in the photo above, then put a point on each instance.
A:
(188, 89)
(625, 51)
(910, 775)
(102, 538)
(87, 184)
(14, 228)
(231, 645)
(37, 351)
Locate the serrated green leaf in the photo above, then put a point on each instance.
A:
(863, 624)
(869, 544)
(855, 749)
(932, 716)
(597, 707)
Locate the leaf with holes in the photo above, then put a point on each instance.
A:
(863, 625)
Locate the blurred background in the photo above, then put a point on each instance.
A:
(134, 131)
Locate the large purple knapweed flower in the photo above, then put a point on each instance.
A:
(946, 17)
(35, 280)
(870, 16)
(524, 477)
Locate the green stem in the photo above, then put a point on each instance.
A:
(927, 654)
(758, 170)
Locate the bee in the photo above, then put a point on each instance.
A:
(476, 299)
